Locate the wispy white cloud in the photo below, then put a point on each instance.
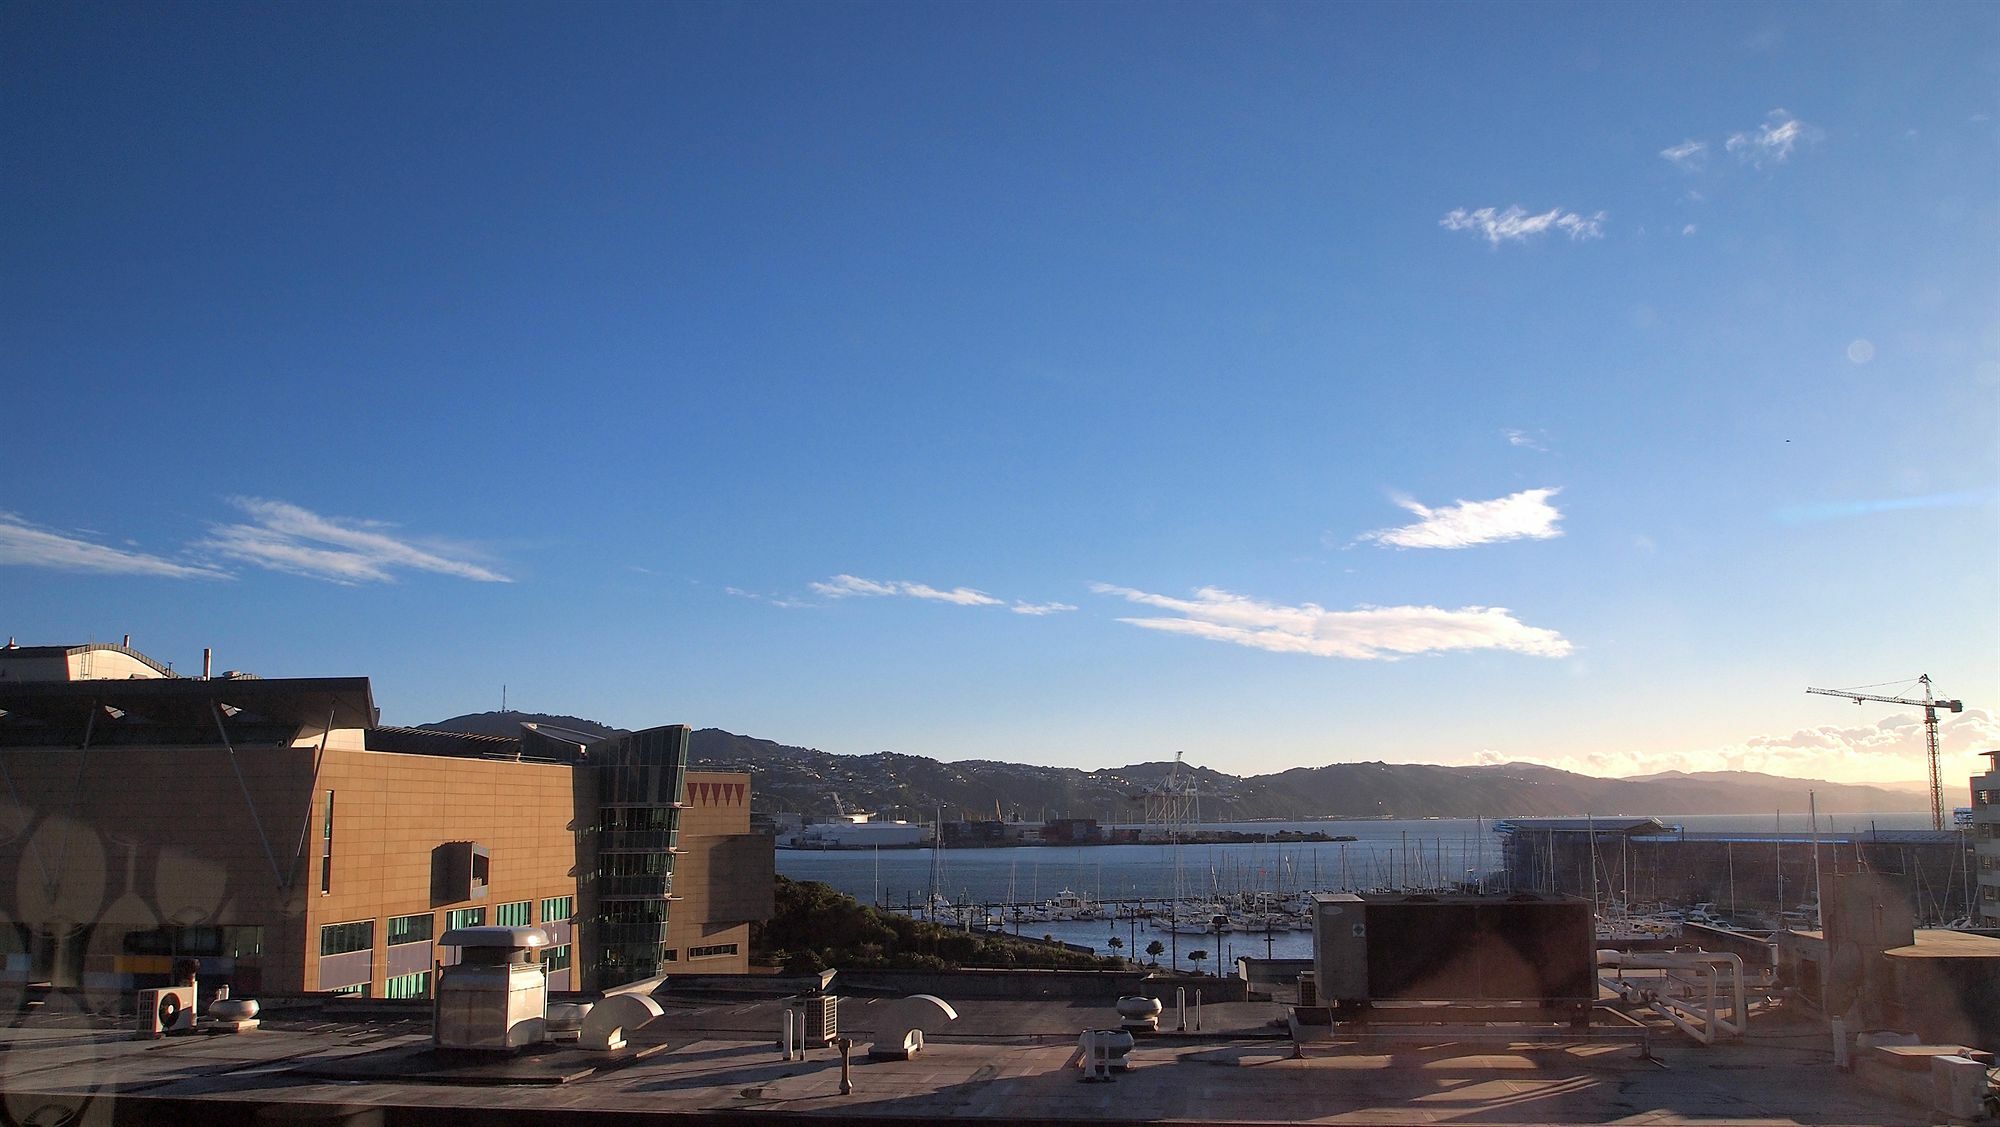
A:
(1687, 154)
(28, 545)
(1515, 225)
(785, 601)
(957, 596)
(1771, 142)
(284, 537)
(847, 586)
(1523, 439)
(1365, 633)
(1526, 515)
(843, 586)
(1688, 230)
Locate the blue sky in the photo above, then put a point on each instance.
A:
(1066, 384)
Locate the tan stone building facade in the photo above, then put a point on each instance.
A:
(271, 830)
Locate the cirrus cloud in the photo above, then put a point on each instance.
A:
(1515, 225)
(1688, 154)
(1366, 633)
(23, 544)
(1771, 142)
(849, 586)
(281, 536)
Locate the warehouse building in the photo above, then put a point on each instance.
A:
(1768, 875)
(274, 831)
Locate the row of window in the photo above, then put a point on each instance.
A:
(418, 985)
(227, 942)
(634, 912)
(635, 864)
(711, 951)
(341, 938)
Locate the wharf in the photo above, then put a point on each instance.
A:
(713, 1060)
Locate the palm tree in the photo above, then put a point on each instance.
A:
(1156, 949)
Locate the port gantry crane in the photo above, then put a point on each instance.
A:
(1930, 707)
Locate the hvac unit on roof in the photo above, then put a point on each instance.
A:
(170, 1009)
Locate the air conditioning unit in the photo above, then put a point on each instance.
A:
(170, 1009)
(819, 1016)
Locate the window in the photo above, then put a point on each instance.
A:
(205, 942)
(326, 848)
(409, 929)
(339, 939)
(358, 990)
(464, 917)
(416, 985)
(634, 912)
(555, 958)
(635, 864)
(557, 908)
(712, 951)
(514, 914)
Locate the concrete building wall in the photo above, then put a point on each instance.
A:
(392, 811)
(717, 876)
(111, 841)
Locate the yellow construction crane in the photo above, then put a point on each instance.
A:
(1930, 708)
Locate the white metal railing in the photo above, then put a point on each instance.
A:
(1692, 989)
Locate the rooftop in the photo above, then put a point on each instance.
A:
(183, 703)
(46, 652)
(714, 1057)
(1941, 943)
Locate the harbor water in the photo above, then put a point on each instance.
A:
(1389, 853)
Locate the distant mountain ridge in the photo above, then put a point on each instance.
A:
(805, 780)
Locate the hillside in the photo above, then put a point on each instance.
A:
(806, 781)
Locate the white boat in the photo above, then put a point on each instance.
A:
(856, 831)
